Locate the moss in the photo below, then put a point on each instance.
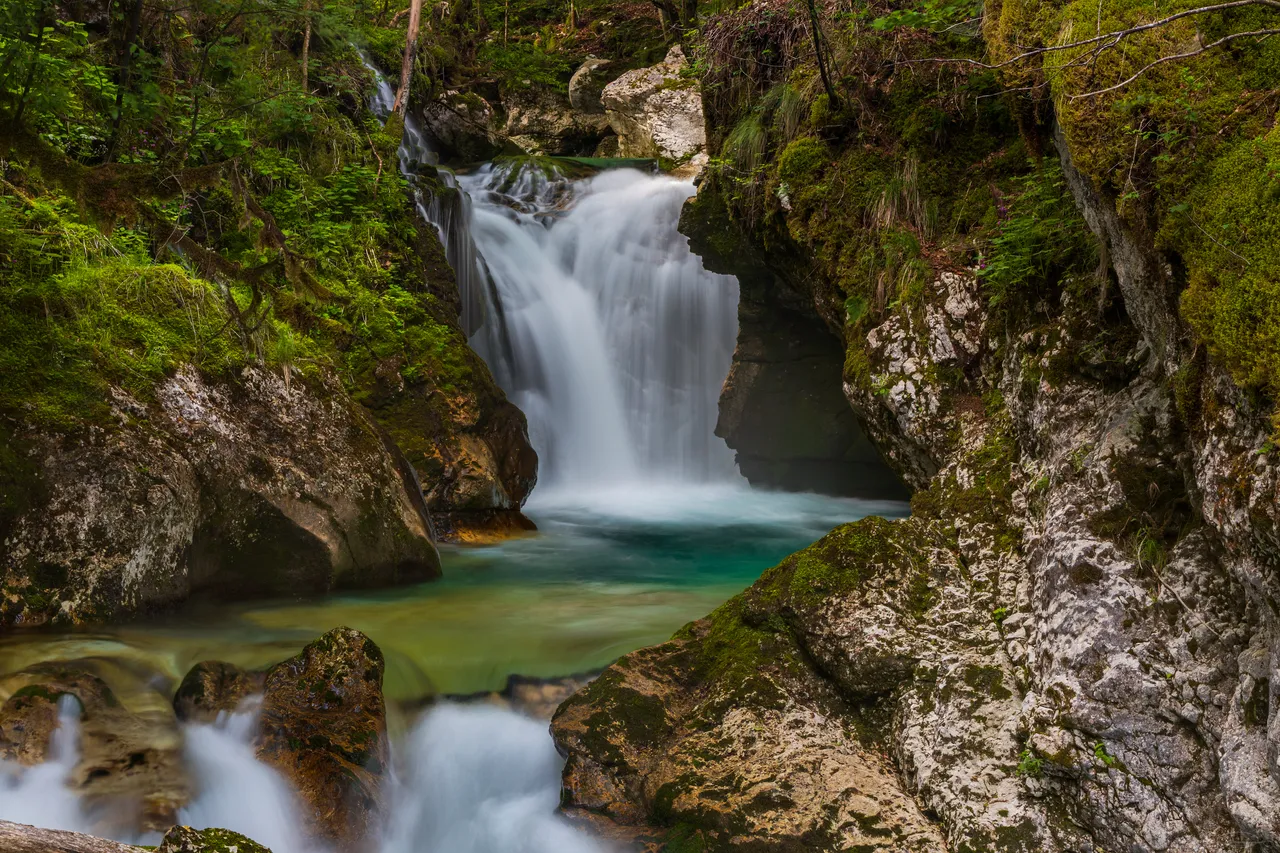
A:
(1230, 231)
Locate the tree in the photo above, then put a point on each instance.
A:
(401, 104)
(816, 33)
(124, 71)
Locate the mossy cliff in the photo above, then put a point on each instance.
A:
(230, 355)
(1053, 306)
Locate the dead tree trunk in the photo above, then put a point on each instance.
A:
(406, 69)
(20, 838)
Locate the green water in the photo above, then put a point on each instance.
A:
(606, 575)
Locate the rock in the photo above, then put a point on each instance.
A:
(261, 485)
(460, 125)
(725, 734)
(781, 408)
(130, 768)
(184, 839)
(587, 85)
(212, 687)
(323, 726)
(658, 113)
(541, 121)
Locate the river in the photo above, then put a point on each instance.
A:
(604, 328)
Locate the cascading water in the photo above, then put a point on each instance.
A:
(473, 780)
(602, 326)
(593, 314)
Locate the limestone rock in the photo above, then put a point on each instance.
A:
(263, 485)
(212, 687)
(543, 121)
(323, 726)
(658, 113)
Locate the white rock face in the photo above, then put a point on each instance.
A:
(657, 113)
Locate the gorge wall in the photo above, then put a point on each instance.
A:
(1070, 644)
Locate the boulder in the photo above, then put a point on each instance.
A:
(261, 484)
(587, 84)
(323, 726)
(461, 126)
(657, 112)
(542, 121)
(184, 839)
(130, 767)
(212, 687)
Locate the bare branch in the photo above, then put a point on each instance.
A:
(1173, 58)
(1105, 40)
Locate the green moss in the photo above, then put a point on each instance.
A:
(802, 161)
(1230, 229)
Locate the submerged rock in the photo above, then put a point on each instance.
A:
(657, 112)
(212, 687)
(130, 771)
(323, 725)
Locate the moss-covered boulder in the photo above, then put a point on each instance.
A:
(212, 687)
(184, 839)
(732, 735)
(323, 726)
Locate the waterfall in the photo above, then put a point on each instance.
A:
(475, 779)
(591, 311)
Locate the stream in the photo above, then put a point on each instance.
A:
(605, 330)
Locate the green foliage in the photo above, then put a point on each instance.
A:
(1040, 237)
(1030, 765)
(934, 15)
(802, 161)
(522, 64)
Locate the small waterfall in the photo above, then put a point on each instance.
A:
(476, 779)
(41, 795)
(605, 328)
(596, 319)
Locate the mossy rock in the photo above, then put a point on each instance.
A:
(323, 725)
(184, 839)
(212, 687)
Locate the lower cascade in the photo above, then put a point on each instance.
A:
(473, 779)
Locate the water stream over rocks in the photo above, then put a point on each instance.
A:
(606, 331)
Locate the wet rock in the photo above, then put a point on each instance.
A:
(184, 839)
(212, 687)
(323, 725)
(130, 770)
(727, 734)
(260, 485)
(658, 113)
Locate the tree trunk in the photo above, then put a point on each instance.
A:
(35, 61)
(20, 838)
(816, 33)
(410, 48)
(123, 76)
(306, 44)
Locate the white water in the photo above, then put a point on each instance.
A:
(474, 779)
(592, 312)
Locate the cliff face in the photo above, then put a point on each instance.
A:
(1070, 644)
(230, 364)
